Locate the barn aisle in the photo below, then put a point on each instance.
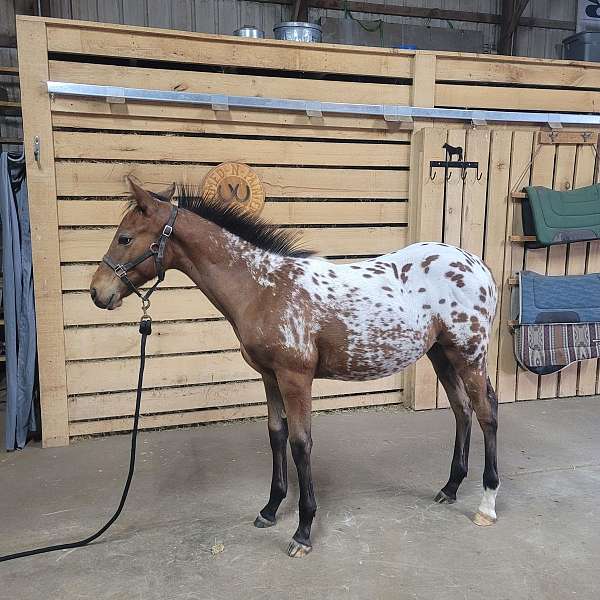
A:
(377, 533)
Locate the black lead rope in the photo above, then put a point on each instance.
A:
(145, 331)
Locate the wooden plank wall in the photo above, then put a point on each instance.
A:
(481, 216)
(343, 180)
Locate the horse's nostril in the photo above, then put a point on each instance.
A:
(93, 293)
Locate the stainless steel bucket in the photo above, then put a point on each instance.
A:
(249, 32)
(297, 31)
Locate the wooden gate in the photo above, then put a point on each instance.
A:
(484, 217)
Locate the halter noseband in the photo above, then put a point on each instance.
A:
(156, 250)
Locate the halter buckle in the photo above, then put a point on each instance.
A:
(145, 307)
(120, 271)
(168, 230)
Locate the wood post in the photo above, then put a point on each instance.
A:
(426, 206)
(423, 87)
(41, 182)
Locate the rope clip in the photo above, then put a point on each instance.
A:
(145, 319)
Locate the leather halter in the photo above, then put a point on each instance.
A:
(156, 250)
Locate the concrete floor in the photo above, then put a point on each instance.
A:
(377, 533)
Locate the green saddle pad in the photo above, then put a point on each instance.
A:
(556, 217)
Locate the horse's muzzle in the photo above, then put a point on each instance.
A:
(109, 304)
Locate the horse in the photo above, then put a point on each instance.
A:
(299, 317)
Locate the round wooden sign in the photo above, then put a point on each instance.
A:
(235, 183)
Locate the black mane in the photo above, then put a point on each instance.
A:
(253, 229)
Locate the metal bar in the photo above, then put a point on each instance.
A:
(372, 110)
(454, 164)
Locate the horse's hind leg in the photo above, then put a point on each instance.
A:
(278, 435)
(461, 406)
(485, 403)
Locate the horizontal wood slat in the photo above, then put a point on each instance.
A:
(226, 414)
(157, 400)
(81, 245)
(112, 146)
(192, 119)
(510, 98)
(185, 47)
(517, 72)
(167, 305)
(229, 84)
(78, 277)
(108, 179)
(167, 338)
(110, 213)
(182, 369)
(255, 124)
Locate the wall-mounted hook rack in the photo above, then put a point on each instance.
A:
(452, 164)
(463, 165)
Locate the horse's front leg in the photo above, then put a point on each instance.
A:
(296, 391)
(278, 436)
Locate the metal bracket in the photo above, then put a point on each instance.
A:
(314, 110)
(219, 102)
(392, 113)
(478, 119)
(117, 97)
(554, 121)
(36, 149)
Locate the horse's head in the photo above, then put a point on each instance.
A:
(140, 228)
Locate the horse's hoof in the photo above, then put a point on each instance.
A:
(296, 549)
(442, 497)
(262, 523)
(483, 520)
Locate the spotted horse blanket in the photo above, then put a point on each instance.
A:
(560, 217)
(558, 320)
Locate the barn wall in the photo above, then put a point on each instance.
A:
(224, 16)
(343, 180)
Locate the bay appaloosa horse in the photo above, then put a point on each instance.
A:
(299, 318)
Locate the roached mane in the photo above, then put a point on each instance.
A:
(253, 229)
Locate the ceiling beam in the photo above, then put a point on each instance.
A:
(428, 13)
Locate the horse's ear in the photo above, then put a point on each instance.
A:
(166, 194)
(146, 203)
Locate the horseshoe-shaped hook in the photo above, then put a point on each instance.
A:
(432, 173)
(463, 173)
(479, 175)
(449, 176)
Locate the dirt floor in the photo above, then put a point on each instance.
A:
(377, 534)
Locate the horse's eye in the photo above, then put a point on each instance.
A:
(125, 239)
